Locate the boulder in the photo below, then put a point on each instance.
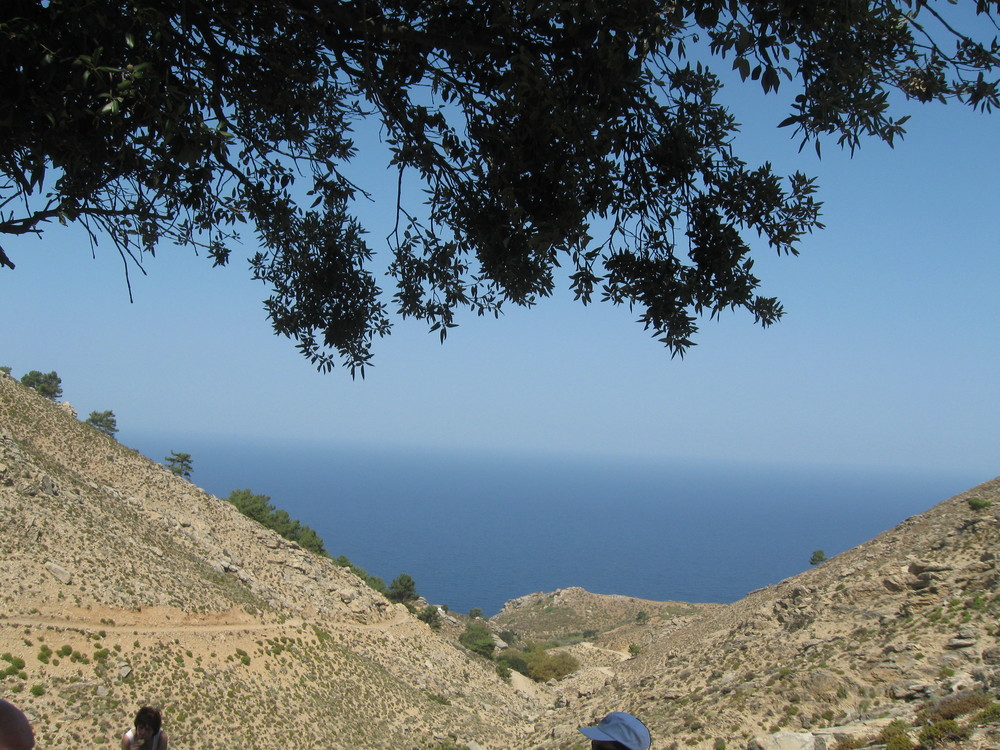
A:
(784, 741)
(59, 573)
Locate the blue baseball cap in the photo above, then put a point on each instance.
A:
(620, 727)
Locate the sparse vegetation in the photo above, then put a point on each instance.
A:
(943, 730)
(978, 503)
(954, 706)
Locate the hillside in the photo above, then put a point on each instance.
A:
(162, 593)
(874, 634)
(123, 584)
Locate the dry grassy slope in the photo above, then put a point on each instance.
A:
(562, 613)
(866, 636)
(163, 593)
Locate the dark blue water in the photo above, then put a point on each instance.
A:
(478, 530)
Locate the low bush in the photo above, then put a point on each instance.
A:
(547, 665)
(514, 659)
(478, 639)
(431, 616)
(944, 730)
(988, 715)
(953, 706)
(895, 736)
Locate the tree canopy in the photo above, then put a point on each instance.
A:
(179, 464)
(105, 421)
(48, 384)
(403, 588)
(260, 509)
(545, 134)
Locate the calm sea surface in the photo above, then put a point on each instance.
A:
(476, 530)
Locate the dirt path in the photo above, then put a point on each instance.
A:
(217, 624)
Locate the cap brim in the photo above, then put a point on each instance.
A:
(593, 733)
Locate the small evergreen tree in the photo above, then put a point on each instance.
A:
(47, 384)
(104, 421)
(817, 557)
(179, 464)
(402, 589)
(475, 612)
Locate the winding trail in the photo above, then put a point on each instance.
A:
(214, 626)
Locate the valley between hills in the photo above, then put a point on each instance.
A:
(123, 584)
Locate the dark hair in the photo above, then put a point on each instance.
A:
(149, 717)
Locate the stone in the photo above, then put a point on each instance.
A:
(784, 741)
(961, 643)
(59, 573)
(918, 567)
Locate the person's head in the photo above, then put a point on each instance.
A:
(618, 731)
(147, 722)
(15, 731)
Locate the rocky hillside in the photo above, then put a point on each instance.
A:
(882, 632)
(123, 584)
(572, 612)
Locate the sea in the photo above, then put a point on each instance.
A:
(477, 529)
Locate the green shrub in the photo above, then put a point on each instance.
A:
(431, 616)
(16, 665)
(899, 742)
(37, 690)
(849, 743)
(478, 639)
(953, 706)
(895, 736)
(978, 504)
(944, 730)
(513, 658)
(545, 665)
(988, 715)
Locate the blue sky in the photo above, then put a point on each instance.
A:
(887, 357)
